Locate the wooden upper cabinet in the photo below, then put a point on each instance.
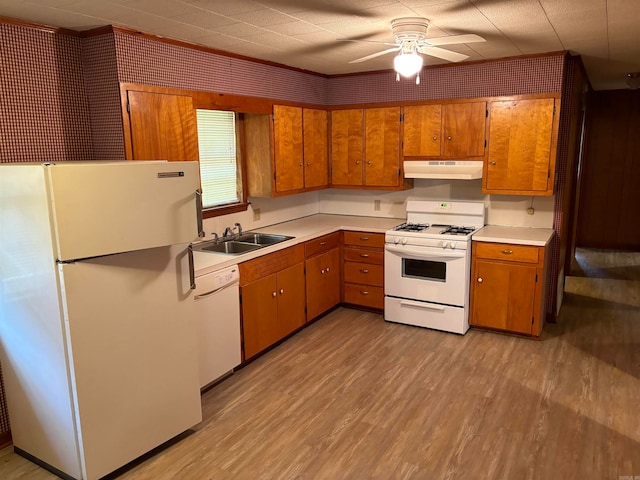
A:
(522, 136)
(162, 127)
(463, 129)
(347, 144)
(315, 125)
(287, 141)
(422, 130)
(382, 146)
(451, 130)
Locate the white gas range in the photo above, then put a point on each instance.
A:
(428, 262)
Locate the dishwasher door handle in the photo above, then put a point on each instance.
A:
(219, 289)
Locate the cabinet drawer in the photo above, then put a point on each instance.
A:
(364, 239)
(321, 244)
(353, 254)
(364, 273)
(364, 295)
(506, 251)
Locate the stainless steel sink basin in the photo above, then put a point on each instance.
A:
(262, 238)
(242, 244)
(230, 247)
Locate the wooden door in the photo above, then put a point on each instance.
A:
(347, 143)
(288, 161)
(291, 299)
(382, 146)
(464, 129)
(422, 130)
(323, 282)
(163, 126)
(521, 151)
(503, 296)
(259, 315)
(316, 147)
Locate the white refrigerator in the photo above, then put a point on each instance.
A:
(97, 328)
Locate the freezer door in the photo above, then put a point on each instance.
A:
(133, 354)
(100, 208)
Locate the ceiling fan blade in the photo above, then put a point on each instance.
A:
(452, 40)
(374, 55)
(365, 41)
(443, 54)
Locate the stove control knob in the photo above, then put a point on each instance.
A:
(403, 241)
(452, 245)
(442, 244)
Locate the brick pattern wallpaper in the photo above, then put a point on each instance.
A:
(44, 114)
(516, 76)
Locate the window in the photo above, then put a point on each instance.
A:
(220, 166)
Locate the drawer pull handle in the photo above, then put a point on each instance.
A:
(492, 162)
(364, 270)
(281, 291)
(507, 252)
(364, 239)
(480, 280)
(364, 292)
(323, 243)
(364, 255)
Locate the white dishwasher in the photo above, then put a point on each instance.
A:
(218, 319)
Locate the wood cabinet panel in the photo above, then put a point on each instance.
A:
(463, 129)
(355, 254)
(260, 267)
(364, 273)
(321, 244)
(364, 239)
(347, 144)
(382, 146)
(259, 315)
(521, 149)
(163, 126)
(512, 253)
(291, 299)
(287, 140)
(364, 295)
(316, 147)
(422, 130)
(323, 282)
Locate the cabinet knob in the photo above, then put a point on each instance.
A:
(449, 137)
(323, 243)
(281, 291)
(364, 292)
(364, 270)
(300, 163)
(479, 279)
(368, 162)
(357, 162)
(308, 164)
(322, 271)
(506, 252)
(492, 162)
(435, 139)
(327, 269)
(273, 294)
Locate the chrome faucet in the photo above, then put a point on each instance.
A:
(239, 227)
(228, 232)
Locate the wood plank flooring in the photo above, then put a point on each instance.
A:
(354, 397)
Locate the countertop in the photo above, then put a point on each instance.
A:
(303, 229)
(516, 235)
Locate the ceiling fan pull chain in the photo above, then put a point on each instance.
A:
(418, 79)
(397, 77)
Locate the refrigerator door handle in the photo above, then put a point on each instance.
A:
(192, 272)
(199, 212)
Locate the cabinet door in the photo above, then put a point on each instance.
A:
(316, 148)
(347, 143)
(503, 296)
(323, 282)
(382, 146)
(260, 315)
(464, 129)
(421, 126)
(520, 156)
(288, 162)
(291, 300)
(163, 126)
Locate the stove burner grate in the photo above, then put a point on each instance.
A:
(411, 227)
(454, 230)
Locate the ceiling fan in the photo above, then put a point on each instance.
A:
(410, 40)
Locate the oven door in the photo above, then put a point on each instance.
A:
(428, 274)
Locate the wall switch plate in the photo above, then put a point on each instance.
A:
(256, 214)
(376, 205)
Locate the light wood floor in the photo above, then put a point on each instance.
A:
(354, 397)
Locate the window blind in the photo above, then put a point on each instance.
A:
(218, 167)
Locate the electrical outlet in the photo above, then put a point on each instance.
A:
(376, 205)
(256, 214)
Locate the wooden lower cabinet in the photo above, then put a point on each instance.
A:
(507, 287)
(323, 282)
(364, 269)
(273, 299)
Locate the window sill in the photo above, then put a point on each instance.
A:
(225, 210)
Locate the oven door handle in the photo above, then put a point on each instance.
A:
(426, 253)
(427, 306)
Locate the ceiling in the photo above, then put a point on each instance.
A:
(305, 33)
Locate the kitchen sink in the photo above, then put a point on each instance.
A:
(241, 244)
(262, 239)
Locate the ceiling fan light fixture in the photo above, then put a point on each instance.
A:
(408, 64)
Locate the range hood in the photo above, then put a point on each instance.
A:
(443, 169)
